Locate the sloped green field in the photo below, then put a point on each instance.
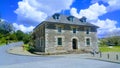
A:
(110, 49)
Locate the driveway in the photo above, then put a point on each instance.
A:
(61, 61)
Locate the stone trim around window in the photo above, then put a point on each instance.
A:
(89, 30)
(61, 27)
(74, 27)
(56, 40)
(86, 41)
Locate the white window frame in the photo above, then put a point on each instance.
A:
(75, 30)
(56, 40)
(72, 27)
(86, 41)
(89, 29)
(62, 26)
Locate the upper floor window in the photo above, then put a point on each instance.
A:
(87, 30)
(59, 41)
(83, 19)
(56, 16)
(87, 41)
(74, 30)
(70, 18)
(59, 29)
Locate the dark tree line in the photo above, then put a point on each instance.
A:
(8, 34)
(111, 39)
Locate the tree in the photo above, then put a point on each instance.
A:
(26, 38)
(13, 37)
(19, 35)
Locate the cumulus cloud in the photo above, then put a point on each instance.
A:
(106, 26)
(112, 4)
(23, 28)
(92, 13)
(32, 12)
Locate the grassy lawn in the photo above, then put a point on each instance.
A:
(26, 47)
(1, 44)
(110, 49)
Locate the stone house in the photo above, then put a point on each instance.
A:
(61, 33)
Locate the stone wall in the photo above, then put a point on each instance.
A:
(51, 35)
(39, 40)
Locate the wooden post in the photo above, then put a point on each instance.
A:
(108, 56)
(100, 54)
(117, 57)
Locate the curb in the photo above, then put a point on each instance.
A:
(104, 60)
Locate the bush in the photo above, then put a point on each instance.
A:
(3, 40)
(31, 49)
(26, 47)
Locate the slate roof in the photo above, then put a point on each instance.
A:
(64, 20)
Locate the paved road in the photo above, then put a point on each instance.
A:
(8, 59)
(68, 61)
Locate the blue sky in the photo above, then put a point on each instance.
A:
(26, 14)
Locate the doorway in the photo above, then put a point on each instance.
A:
(74, 43)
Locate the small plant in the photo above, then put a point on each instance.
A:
(26, 47)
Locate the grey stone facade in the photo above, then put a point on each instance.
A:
(48, 39)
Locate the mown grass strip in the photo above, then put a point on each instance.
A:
(110, 49)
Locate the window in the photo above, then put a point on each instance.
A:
(70, 18)
(83, 19)
(59, 29)
(74, 30)
(87, 30)
(56, 17)
(59, 41)
(88, 41)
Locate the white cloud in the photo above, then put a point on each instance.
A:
(112, 4)
(91, 13)
(106, 26)
(32, 12)
(23, 28)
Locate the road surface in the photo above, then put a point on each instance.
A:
(63, 61)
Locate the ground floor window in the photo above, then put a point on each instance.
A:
(59, 41)
(88, 41)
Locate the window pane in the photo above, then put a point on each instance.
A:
(59, 29)
(88, 41)
(74, 30)
(56, 17)
(59, 41)
(87, 31)
(71, 19)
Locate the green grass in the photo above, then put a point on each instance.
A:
(26, 47)
(1, 44)
(108, 49)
